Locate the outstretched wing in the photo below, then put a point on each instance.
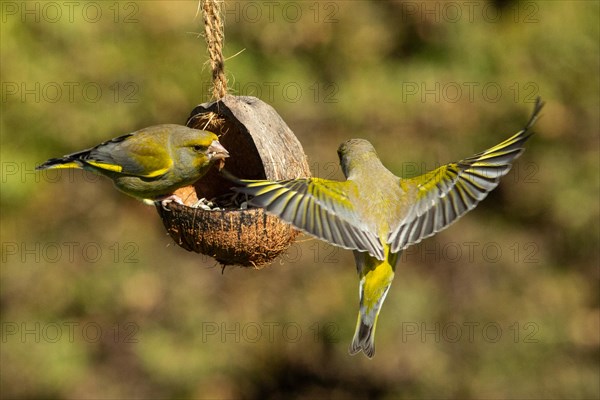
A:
(319, 207)
(448, 192)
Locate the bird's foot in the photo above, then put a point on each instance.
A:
(166, 200)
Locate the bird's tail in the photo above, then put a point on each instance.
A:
(364, 336)
(69, 161)
(376, 277)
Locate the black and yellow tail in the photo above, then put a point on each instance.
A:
(69, 161)
(99, 158)
(364, 339)
(364, 336)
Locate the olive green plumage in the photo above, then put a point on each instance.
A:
(378, 214)
(151, 163)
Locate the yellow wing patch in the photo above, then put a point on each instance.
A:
(158, 172)
(447, 193)
(319, 207)
(61, 166)
(119, 168)
(106, 166)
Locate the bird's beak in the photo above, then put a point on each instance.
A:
(216, 151)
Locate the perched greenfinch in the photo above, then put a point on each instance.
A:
(378, 214)
(149, 164)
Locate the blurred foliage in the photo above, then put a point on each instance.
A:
(96, 301)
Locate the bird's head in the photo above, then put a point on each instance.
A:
(197, 150)
(354, 154)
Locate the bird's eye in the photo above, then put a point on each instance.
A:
(198, 148)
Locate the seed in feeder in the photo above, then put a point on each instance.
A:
(197, 204)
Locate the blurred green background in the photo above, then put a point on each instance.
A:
(97, 302)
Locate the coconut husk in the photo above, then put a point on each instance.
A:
(261, 146)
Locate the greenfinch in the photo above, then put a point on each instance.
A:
(149, 164)
(377, 214)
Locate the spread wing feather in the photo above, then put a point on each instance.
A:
(448, 192)
(318, 207)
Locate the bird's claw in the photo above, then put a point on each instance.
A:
(165, 201)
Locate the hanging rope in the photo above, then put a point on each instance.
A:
(214, 35)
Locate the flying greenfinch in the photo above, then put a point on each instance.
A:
(150, 164)
(377, 214)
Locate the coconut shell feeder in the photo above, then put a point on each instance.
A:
(261, 146)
